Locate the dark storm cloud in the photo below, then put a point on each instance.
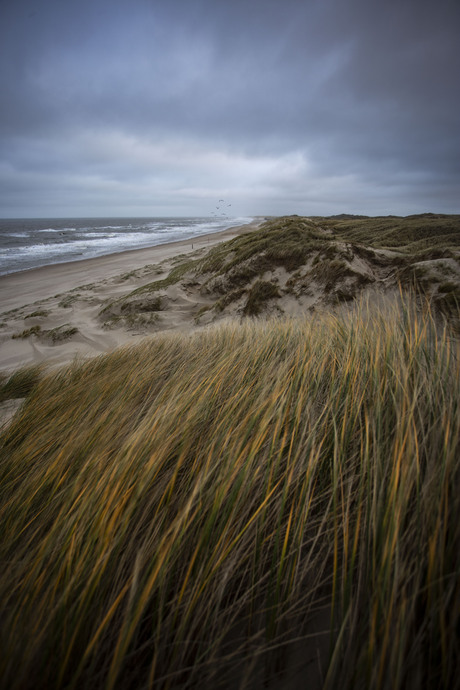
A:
(291, 104)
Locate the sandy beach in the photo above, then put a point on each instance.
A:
(58, 298)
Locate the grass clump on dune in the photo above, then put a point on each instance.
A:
(286, 242)
(20, 383)
(239, 505)
(54, 335)
(260, 293)
(27, 332)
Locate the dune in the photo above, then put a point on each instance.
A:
(62, 301)
(290, 266)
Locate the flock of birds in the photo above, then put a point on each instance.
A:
(222, 213)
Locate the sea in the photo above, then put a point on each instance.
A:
(31, 243)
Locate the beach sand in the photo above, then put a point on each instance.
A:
(59, 298)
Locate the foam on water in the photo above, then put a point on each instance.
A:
(30, 243)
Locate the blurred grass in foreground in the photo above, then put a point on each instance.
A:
(238, 506)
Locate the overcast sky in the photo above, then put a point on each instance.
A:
(162, 107)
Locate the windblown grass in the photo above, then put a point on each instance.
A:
(20, 383)
(337, 257)
(238, 505)
(410, 234)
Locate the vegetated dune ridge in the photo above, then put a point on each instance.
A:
(287, 266)
(266, 504)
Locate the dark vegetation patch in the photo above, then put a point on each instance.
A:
(140, 305)
(260, 293)
(329, 273)
(127, 276)
(132, 312)
(331, 251)
(20, 383)
(54, 335)
(449, 305)
(298, 284)
(447, 301)
(350, 289)
(228, 298)
(37, 314)
(343, 294)
(12, 312)
(26, 333)
(448, 287)
(236, 278)
(59, 334)
(422, 278)
(67, 301)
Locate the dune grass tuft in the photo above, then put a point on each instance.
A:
(237, 506)
(260, 293)
(20, 383)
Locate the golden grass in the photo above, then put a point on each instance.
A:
(236, 506)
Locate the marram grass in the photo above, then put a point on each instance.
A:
(253, 505)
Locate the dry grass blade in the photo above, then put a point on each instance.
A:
(240, 505)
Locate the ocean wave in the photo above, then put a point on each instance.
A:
(32, 248)
(57, 230)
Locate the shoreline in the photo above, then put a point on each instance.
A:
(74, 273)
(50, 315)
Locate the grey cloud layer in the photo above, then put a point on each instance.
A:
(339, 97)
